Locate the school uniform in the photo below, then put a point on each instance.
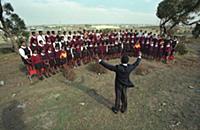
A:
(155, 50)
(47, 46)
(147, 46)
(63, 44)
(161, 51)
(69, 56)
(73, 52)
(91, 49)
(51, 58)
(57, 57)
(57, 44)
(142, 41)
(36, 61)
(53, 38)
(25, 53)
(63, 57)
(41, 47)
(78, 52)
(45, 60)
(167, 49)
(101, 51)
(151, 48)
(137, 49)
(41, 38)
(33, 43)
(47, 38)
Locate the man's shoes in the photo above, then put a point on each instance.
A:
(123, 111)
(114, 110)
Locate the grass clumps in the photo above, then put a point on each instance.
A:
(69, 73)
(97, 68)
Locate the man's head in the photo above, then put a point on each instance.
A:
(23, 43)
(40, 32)
(124, 59)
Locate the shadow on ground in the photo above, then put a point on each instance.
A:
(92, 93)
(12, 117)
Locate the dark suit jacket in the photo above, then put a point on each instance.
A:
(122, 72)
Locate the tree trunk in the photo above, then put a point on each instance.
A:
(14, 44)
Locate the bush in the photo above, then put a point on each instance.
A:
(69, 73)
(142, 70)
(96, 68)
(181, 49)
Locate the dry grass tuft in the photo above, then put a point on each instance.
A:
(97, 68)
(69, 73)
(144, 69)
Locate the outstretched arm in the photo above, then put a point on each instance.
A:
(108, 66)
(137, 62)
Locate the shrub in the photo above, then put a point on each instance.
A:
(96, 68)
(69, 73)
(143, 70)
(181, 49)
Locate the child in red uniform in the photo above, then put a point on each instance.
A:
(41, 46)
(137, 49)
(33, 42)
(57, 58)
(47, 45)
(47, 36)
(151, 47)
(85, 54)
(78, 54)
(45, 63)
(53, 37)
(73, 55)
(155, 50)
(37, 63)
(51, 58)
(101, 51)
(161, 50)
(63, 57)
(69, 55)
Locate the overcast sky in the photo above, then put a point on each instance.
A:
(37, 12)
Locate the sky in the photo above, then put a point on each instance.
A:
(38, 12)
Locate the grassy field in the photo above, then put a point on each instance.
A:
(166, 97)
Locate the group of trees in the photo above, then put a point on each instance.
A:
(175, 12)
(11, 24)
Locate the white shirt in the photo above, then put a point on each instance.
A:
(22, 52)
(41, 38)
(56, 42)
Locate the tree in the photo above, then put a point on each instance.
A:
(175, 12)
(196, 31)
(11, 24)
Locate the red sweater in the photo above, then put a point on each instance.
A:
(33, 40)
(36, 59)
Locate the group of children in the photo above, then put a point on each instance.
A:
(46, 54)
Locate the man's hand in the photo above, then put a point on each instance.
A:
(140, 55)
(97, 59)
(100, 60)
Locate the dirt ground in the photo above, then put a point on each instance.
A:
(166, 97)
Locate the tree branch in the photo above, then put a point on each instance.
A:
(195, 22)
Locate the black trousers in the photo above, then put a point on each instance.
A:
(121, 97)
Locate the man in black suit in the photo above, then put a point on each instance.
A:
(122, 81)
